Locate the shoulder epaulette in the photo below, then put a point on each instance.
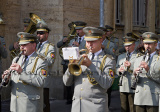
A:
(40, 56)
(51, 44)
(139, 54)
(110, 56)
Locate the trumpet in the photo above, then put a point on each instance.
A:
(134, 83)
(74, 66)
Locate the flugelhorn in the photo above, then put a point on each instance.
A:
(74, 66)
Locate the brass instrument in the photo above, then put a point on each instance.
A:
(30, 29)
(34, 21)
(72, 34)
(74, 66)
(141, 48)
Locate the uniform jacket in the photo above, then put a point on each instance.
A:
(88, 97)
(148, 87)
(82, 44)
(27, 87)
(115, 40)
(3, 52)
(49, 56)
(109, 47)
(127, 77)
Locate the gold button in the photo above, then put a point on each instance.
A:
(17, 88)
(83, 80)
(81, 98)
(144, 88)
(17, 96)
(144, 82)
(81, 89)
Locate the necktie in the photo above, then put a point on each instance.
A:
(39, 45)
(79, 40)
(92, 56)
(25, 59)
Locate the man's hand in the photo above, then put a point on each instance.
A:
(144, 65)
(87, 62)
(16, 67)
(136, 71)
(127, 64)
(65, 39)
(121, 69)
(6, 75)
(75, 44)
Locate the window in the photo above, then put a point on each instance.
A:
(157, 16)
(118, 12)
(139, 12)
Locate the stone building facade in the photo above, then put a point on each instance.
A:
(120, 14)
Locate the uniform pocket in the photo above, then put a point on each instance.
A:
(33, 97)
(98, 101)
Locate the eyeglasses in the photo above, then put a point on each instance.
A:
(40, 32)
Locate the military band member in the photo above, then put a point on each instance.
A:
(124, 67)
(107, 45)
(79, 41)
(97, 76)
(14, 48)
(108, 48)
(110, 37)
(47, 50)
(147, 90)
(27, 77)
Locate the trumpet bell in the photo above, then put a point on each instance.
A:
(75, 69)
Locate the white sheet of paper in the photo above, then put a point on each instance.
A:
(70, 53)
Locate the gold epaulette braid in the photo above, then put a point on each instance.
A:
(92, 80)
(48, 48)
(33, 69)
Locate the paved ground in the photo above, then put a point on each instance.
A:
(60, 105)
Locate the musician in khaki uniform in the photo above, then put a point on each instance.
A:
(124, 68)
(79, 41)
(47, 50)
(27, 77)
(97, 76)
(148, 72)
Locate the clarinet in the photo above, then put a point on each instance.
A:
(135, 82)
(6, 78)
(122, 74)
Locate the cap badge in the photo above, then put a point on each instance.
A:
(21, 36)
(89, 31)
(148, 36)
(40, 25)
(126, 40)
